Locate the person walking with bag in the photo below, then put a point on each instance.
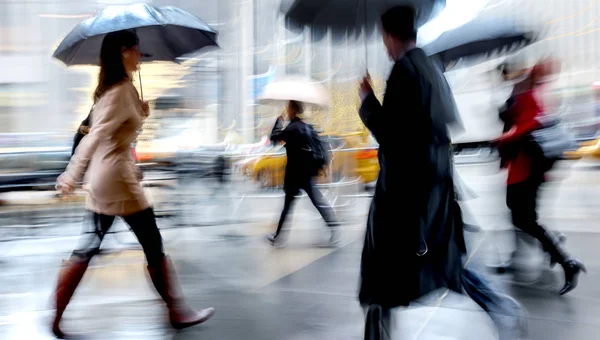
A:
(112, 182)
(527, 167)
(300, 169)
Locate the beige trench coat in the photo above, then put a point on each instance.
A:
(105, 155)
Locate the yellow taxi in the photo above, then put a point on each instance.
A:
(353, 155)
(586, 149)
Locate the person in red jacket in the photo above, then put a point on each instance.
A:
(526, 173)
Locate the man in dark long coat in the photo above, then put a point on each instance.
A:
(414, 242)
(413, 245)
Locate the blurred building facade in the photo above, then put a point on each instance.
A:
(38, 94)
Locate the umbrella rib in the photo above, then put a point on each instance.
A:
(74, 53)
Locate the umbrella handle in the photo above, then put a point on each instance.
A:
(141, 89)
(366, 39)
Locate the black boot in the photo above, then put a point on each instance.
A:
(572, 269)
(552, 242)
(561, 239)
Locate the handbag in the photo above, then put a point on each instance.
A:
(318, 154)
(79, 134)
(553, 137)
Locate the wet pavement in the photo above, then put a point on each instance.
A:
(305, 292)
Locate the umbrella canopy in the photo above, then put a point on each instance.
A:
(165, 34)
(345, 17)
(481, 36)
(296, 88)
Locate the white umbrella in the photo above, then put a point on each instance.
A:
(296, 88)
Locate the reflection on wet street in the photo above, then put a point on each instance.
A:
(302, 291)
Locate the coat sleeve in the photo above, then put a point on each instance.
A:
(372, 115)
(383, 119)
(527, 122)
(114, 112)
(279, 134)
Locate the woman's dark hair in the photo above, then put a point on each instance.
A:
(112, 71)
(399, 21)
(297, 107)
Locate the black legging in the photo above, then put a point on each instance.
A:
(521, 199)
(143, 225)
(292, 189)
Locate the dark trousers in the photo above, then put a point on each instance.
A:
(506, 313)
(317, 199)
(143, 225)
(521, 199)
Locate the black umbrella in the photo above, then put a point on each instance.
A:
(479, 37)
(350, 17)
(165, 34)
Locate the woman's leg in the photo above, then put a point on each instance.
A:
(162, 273)
(326, 211)
(90, 241)
(522, 201)
(290, 195)
(73, 269)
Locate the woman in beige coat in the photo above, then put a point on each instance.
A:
(113, 187)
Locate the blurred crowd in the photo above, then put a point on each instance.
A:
(192, 108)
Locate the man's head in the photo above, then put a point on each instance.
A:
(399, 30)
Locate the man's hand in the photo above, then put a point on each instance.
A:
(365, 86)
(84, 130)
(145, 109)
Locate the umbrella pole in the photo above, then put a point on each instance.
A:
(141, 89)
(366, 39)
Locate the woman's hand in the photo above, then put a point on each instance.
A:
(145, 108)
(84, 130)
(139, 173)
(64, 187)
(365, 85)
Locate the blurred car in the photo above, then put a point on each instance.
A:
(158, 152)
(200, 160)
(32, 160)
(266, 166)
(351, 157)
(586, 149)
(204, 159)
(173, 142)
